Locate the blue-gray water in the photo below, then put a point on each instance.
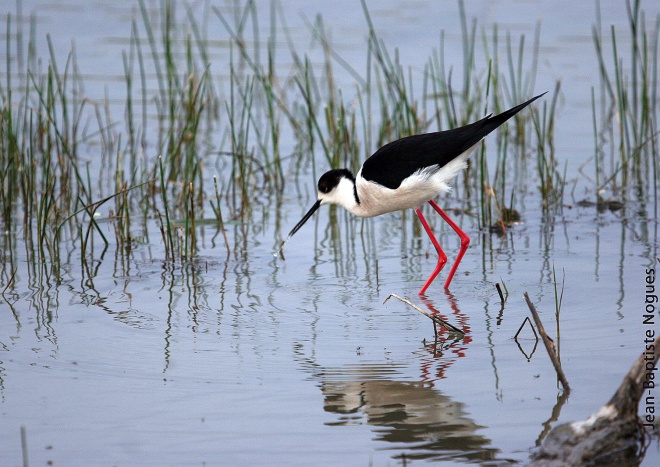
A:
(250, 360)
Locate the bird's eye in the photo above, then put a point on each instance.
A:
(324, 187)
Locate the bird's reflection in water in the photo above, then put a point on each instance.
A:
(411, 416)
(458, 319)
(449, 345)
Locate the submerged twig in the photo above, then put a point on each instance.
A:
(536, 338)
(549, 345)
(435, 319)
(499, 291)
(530, 325)
(24, 447)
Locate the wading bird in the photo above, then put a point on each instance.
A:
(407, 173)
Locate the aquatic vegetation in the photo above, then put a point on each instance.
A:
(190, 121)
(625, 115)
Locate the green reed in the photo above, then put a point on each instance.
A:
(627, 120)
(9, 139)
(217, 210)
(166, 227)
(552, 181)
(266, 87)
(506, 79)
(394, 91)
(162, 165)
(39, 136)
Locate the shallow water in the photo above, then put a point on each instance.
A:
(249, 359)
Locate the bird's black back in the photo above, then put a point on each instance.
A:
(396, 161)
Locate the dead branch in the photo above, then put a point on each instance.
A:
(549, 345)
(435, 319)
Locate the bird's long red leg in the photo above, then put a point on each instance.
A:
(442, 257)
(465, 240)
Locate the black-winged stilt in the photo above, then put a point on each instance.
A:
(407, 173)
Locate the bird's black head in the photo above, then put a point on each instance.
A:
(328, 182)
(331, 179)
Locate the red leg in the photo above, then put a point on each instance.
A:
(442, 257)
(465, 240)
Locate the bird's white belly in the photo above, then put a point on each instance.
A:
(414, 191)
(376, 199)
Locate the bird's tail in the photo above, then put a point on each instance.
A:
(497, 120)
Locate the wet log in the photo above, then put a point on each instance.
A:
(615, 435)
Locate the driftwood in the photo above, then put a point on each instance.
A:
(614, 435)
(549, 345)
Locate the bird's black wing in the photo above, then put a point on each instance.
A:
(397, 160)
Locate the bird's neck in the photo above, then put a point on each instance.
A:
(346, 196)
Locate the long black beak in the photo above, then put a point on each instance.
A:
(305, 218)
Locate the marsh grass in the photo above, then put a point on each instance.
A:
(246, 125)
(552, 181)
(496, 178)
(625, 115)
